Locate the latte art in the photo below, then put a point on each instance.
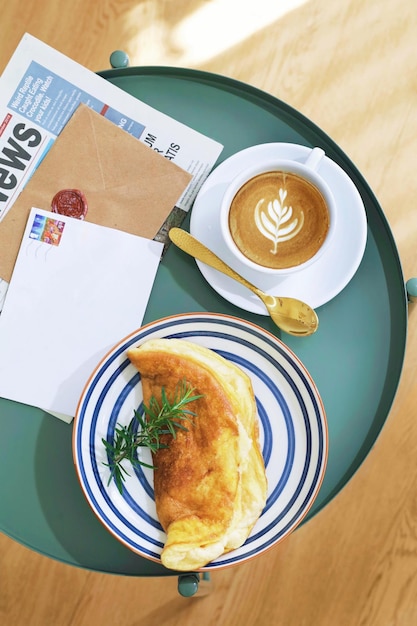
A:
(278, 219)
(274, 222)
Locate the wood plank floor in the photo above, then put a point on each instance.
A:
(351, 67)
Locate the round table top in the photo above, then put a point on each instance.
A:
(366, 324)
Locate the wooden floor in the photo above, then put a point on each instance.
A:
(351, 67)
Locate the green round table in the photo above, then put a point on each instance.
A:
(355, 358)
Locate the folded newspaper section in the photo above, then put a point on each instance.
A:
(40, 90)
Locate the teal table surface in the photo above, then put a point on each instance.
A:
(355, 357)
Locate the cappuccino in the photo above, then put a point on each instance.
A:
(278, 220)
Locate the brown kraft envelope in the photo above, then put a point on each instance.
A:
(127, 186)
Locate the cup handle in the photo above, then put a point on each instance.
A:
(314, 158)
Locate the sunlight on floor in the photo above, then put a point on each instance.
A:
(208, 31)
(221, 24)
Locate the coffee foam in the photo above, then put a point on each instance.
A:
(278, 220)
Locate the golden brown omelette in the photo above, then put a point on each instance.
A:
(209, 483)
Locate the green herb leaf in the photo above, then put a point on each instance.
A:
(145, 430)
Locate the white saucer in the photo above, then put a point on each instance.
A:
(315, 285)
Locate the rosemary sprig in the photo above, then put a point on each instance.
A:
(146, 429)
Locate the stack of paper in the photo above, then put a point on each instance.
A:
(78, 287)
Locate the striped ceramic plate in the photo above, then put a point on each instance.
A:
(293, 433)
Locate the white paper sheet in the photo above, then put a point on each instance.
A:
(76, 290)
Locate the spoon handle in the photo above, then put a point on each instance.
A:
(187, 243)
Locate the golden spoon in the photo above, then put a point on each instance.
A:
(291, 315)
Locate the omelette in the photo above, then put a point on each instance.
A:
(209, 481)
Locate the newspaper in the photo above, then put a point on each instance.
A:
(40, 89)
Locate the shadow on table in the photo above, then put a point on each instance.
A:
(74, 534)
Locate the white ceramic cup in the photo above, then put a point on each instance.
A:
(309, 170)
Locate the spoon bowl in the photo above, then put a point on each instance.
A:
(289, 314)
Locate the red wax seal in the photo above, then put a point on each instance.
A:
(70, 202)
